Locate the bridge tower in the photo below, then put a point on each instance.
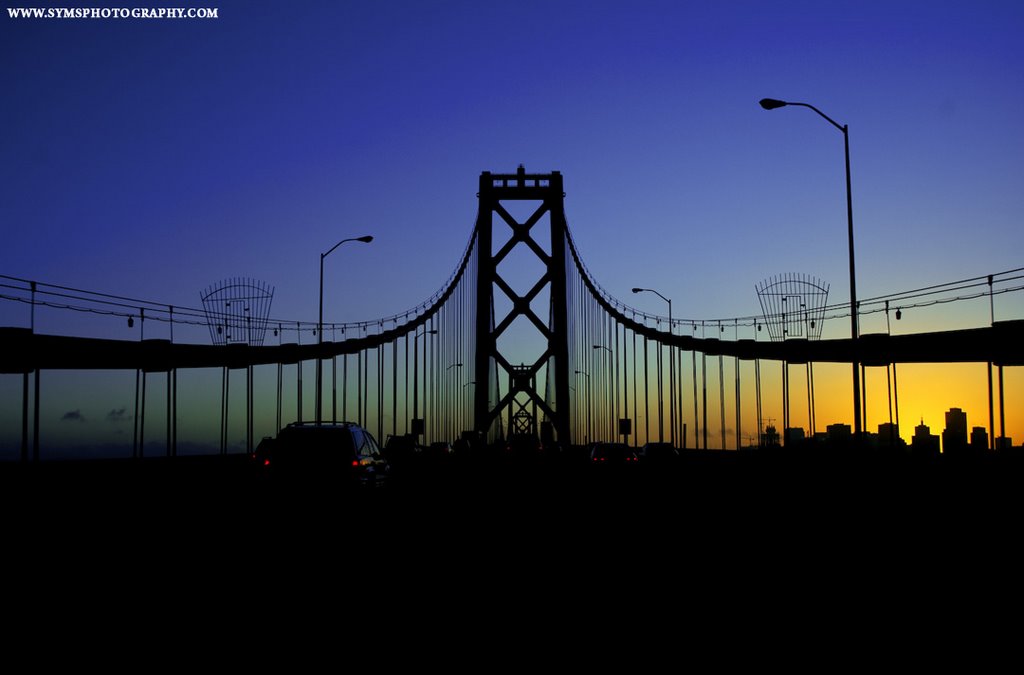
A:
(522, 379)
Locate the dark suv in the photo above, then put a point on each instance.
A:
(338, 453)
(612, 454)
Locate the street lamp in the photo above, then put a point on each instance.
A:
(415, 371)
(590, 431)
(772, 104)
(671, 370)
(320, 326)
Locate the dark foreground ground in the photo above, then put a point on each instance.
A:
(762, 558)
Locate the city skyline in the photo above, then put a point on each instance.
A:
(151, 159)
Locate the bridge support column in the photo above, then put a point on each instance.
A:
(547, 189)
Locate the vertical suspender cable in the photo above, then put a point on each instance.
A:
(721, 387)
(696, 420)
(736, 368)
(394, 385)
(298, 367)
(344, 387)
(704, 383)
(661, 402)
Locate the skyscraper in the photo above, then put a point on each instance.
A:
(924, 443)
(954, 437)
(979, 439)
(889, 434)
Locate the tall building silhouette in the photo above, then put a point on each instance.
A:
(924, 443)
(888, 434)
(794, 435)
(954, 436)
(979, 439)
(839, 432)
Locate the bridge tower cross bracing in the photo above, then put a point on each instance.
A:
(547, 189)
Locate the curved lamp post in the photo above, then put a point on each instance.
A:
(772, 104)
(415, 371)
(671, 370)
(320, 327)
(590, 431)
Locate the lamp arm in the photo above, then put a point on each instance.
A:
(837, 125)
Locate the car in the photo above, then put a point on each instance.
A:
(436, 453)
(523, 447)
(658, 454)
(441, 448)
(339, 453)
(401, 450)
(612, 454)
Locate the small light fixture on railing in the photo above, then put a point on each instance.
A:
(899, 314)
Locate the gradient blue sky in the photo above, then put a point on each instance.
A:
(154, 158)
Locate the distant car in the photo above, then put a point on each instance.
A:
(340, 454)
(461, 447)
(523, 446)
(441, 446)
(612, 454)
(658, 454)
(438, 451)
(400, 451)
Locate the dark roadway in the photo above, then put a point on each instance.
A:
(724, 539)
(741, 485)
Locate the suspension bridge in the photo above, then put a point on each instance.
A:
(448, 369)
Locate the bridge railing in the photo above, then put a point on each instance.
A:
(64, 310)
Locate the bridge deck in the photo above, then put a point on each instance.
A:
(24, 351)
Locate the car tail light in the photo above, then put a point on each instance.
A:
(355, 462)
